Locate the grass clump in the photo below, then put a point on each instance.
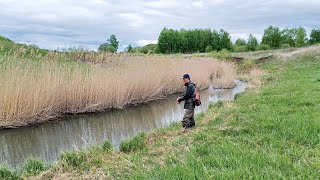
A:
(249, 64)
(107, 146)
(34, 166)
(73, 159)
(134, 144)
(6, 174)
(200, 136)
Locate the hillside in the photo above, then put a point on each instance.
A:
(10, 48)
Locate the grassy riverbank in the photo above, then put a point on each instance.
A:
(271, 132)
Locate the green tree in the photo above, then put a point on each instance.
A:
(288, 36)
(209, 48)
(110, 49)
(184, 41)
(272, 37)
(240, 48)
(190, 41)
(112, 41)
(263, 47)
(215, 40)
(315, 36)
(240, 42)
(252, 43)
(129, 48)
(175, 40)
(110, 46)
(225, 40)
(301, 37)
(165, 41)
(105, 47)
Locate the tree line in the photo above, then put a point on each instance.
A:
(190, 41)
(205, 40)
(275, 38)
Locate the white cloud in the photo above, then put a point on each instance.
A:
(144, 42)
(215, 2)
(163, 4)
(197, 4)
(132, 19)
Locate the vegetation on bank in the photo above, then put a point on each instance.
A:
(37, 86)
(270, 132)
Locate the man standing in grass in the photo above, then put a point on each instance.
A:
(189, 103)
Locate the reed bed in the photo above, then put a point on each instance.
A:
(48, 86)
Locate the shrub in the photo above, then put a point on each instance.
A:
(149, 49)
(249, 64)
(107, 48)
(209, 48)
(136, 143)
(240, 48)
(73, 159)
(106, 146)
(252, 43)
(5, 173)
(285, 46)
(223, 54)
(263, 47)
(111, 49)
(34, 166)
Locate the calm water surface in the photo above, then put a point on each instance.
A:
(47, 141)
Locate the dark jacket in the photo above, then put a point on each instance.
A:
(188, 96)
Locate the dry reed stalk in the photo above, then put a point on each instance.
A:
(33, 92)
(253, 78)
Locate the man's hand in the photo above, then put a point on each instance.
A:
(178, 102)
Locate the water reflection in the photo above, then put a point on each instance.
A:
(47, 141)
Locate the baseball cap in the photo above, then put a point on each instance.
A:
(186, 76)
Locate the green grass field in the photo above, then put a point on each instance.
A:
(271, 133)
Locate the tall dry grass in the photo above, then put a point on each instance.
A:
(34, 91)
(310, 50)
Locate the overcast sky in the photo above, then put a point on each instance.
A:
(63, 23)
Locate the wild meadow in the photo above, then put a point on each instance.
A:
(270, 131)
(37, 86)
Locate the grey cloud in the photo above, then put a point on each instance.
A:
(54, 23)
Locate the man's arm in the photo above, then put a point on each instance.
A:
(189, 93)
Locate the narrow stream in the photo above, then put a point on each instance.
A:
(47, 141)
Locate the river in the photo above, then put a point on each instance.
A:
(48, 140)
